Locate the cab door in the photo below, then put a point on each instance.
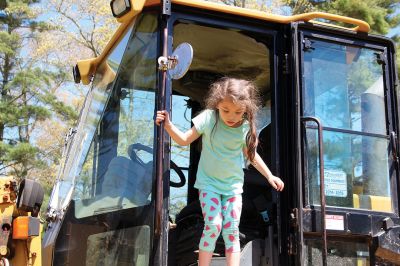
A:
(347, 127)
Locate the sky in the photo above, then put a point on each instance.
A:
(394, 31)
(397, 29)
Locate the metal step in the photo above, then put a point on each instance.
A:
(249, 256)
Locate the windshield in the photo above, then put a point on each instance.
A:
(92, 109)
(118, 170)
(110, 217)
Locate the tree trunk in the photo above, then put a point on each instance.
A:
(6, 76)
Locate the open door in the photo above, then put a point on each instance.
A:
(222, 47)
(347, 128)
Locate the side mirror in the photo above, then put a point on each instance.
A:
(184, 55)
(179, 62)
(30, 197)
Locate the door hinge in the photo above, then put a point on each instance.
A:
(294, 222)
(307, 44)
(381, 58)
(286, 69)
(292, 246)
(294, 217)
(166, 7)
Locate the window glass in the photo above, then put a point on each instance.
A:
(355, 170)
(81, 149)
(343, 87)
(339, 253)
(118, 169)
(181, 117)
(130, 246)
(114, 59)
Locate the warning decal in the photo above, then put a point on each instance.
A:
(334, 222)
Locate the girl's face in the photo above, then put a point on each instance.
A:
(231, 113)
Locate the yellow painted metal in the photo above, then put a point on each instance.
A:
(7, 209)
(88, 67)
(356, 201)
(362, 262)
(361, 26)
(373, 203)
(379, 203)
(136, 8)
(27, 252)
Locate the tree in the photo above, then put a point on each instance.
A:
(84, 26)
(79, 30)
(378, 14)
(26, 89)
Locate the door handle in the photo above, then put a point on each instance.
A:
(322, 184)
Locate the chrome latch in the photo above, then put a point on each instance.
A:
(166, 63)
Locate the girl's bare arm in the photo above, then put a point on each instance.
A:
(182, 138)
(260, 165)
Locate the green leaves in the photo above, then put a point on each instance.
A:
(9, 43)
(59, 107)
(28, 94)
(375, 13)
(12, 157)
(378, 13)
(13, 115)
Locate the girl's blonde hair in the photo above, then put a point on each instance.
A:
(241, 92)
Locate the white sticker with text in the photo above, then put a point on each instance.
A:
(335, 183)
(334, 222)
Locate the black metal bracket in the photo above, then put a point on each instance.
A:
(386, 245)
(307, 44)
(395, 156)
(166, 7)
(381, 58)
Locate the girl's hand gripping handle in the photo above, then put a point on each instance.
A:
(276, 183)
(182, 138)
(162, 116)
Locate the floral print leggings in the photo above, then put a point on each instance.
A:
(220, 212)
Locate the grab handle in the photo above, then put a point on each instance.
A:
(361, 26)
(322, 184)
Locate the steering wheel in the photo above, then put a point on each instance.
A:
(132, 152)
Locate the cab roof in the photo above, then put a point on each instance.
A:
(88, 67)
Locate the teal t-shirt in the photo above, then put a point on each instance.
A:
(221, 162)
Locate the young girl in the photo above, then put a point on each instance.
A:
(228, 130)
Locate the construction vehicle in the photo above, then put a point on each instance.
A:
(328, 127)
(20, 240)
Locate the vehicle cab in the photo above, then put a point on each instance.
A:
(328, 126)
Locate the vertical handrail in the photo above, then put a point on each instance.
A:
(322, 185)
(160, 141)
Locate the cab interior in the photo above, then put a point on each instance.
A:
(218, 52)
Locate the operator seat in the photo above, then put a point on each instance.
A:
(129, 178)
